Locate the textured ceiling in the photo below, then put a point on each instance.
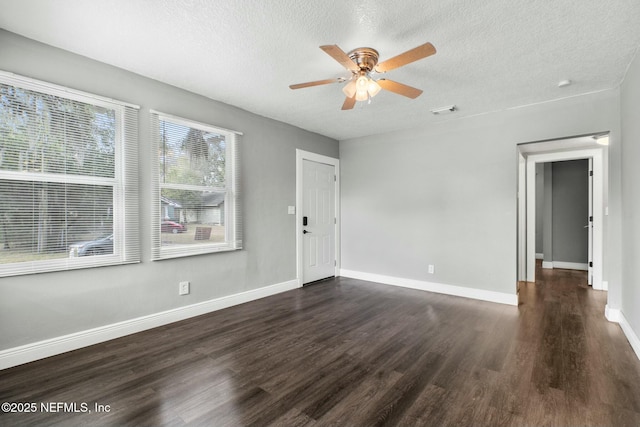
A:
(492, 54)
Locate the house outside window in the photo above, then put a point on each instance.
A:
(68, 178)
(195, 202)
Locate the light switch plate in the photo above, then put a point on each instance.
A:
(291, 210)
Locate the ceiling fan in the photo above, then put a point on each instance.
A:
(362, 62)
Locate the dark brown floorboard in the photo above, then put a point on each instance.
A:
(349, 352)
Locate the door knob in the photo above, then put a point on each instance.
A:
(305, 232)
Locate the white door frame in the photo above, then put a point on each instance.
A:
(522, 214)
(302, 155)
(598, 207)
(589, 225)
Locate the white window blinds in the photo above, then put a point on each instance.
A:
(68, 179)
(195, 195)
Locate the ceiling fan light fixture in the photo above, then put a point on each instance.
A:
(362, 95)
(350, 88)
(374, 88)
(363, 61)
(363, 88)
(362, 82)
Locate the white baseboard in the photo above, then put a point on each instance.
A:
(50, 347)
(571, 265)
(460, 291)
(612, 314)
(539, 256)
(565, 265)
(616, 316)
(631, 335)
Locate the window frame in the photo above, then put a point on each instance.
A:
(126, 248)
(232, 212)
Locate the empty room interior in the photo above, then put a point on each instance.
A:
(335, 213)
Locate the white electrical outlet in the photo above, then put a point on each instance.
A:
(432, 269)
(183, 288)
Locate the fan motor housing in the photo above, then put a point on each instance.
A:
(365, 57)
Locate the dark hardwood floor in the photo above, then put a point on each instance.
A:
(351, 353)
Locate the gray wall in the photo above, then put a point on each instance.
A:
(37, 307)
(631, 196)
(445, 193)
(570, 194)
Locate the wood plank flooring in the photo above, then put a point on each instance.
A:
(352, 353)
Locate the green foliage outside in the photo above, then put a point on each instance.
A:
(46, 134)
(190, 156)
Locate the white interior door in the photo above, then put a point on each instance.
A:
(318, 221)
(589, 225)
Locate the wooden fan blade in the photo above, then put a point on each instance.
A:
(316, 83)
(338, 54)
(408, 57)
(349, 103)
(399, 88)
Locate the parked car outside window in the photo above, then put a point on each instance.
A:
(100, 246)
(172, 227)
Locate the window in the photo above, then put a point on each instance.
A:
(68, 179)
(195, 207)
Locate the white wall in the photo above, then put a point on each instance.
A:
(44, 306)
(630, 101)
(445, 194)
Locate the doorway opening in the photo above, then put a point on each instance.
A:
(564, 204)
(590, 147)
